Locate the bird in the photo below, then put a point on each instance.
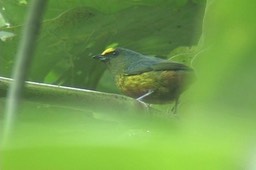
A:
(146, 78)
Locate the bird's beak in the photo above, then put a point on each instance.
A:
(100, 57)
(97, 57)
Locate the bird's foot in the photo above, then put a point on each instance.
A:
(174, 109)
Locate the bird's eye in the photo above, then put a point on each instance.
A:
(115, 53)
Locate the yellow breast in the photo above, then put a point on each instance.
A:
(167, 85)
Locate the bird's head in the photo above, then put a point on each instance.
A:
(118, 59)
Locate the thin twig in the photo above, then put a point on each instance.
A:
(23, 59)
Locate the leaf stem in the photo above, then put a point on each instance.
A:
(21, 68)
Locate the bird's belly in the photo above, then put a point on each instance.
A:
(166, 85)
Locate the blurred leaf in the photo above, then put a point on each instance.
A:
(184, 54)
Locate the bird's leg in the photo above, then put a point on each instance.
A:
(175, 107)
(145, 95)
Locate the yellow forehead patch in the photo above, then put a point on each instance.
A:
(109, 50)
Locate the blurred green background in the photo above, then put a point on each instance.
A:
(214, 128)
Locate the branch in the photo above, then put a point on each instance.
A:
(23, 59)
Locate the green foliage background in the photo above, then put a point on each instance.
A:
(216, 121)
(74, 32)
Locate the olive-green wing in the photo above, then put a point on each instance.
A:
(146, 66)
